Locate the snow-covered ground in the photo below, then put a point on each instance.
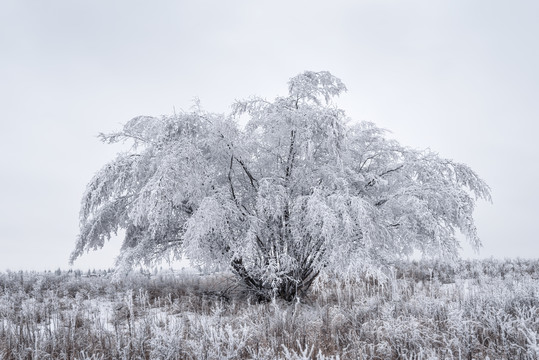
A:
(421, 311)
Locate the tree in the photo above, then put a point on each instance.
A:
(298, 190)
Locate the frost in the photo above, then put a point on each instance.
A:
(296, 192)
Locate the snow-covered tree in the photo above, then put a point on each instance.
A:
(298, 190)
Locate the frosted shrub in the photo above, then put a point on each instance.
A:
(298, 190)
(215, 339)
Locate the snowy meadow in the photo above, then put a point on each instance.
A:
(417, 310)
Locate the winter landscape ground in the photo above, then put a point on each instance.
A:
(419, 310)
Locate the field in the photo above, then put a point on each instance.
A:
(418, 310)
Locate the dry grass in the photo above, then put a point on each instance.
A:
(472, 310)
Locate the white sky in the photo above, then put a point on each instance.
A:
(459, 76)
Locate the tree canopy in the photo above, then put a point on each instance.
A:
(297, 190)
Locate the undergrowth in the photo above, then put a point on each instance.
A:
(417, 310)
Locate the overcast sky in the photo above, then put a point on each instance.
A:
(459, 77)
